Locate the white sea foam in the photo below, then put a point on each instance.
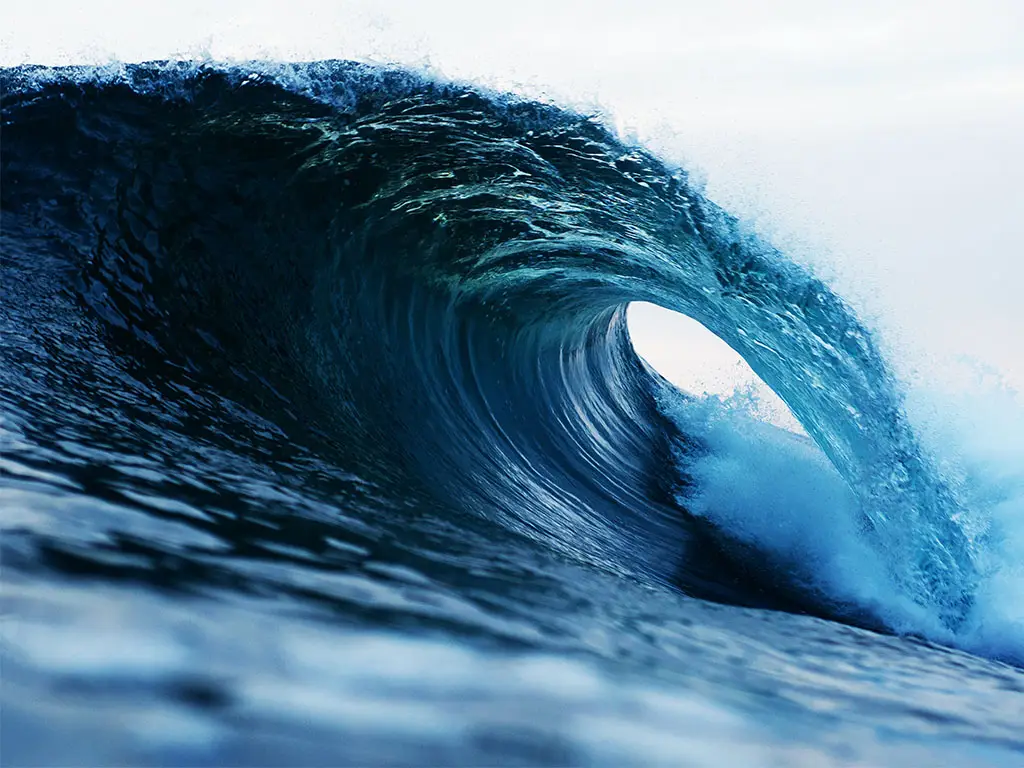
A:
(974, 427)
(777, 492)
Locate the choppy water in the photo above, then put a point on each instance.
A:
(324, 442)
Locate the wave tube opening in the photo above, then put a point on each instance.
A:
(749, 471)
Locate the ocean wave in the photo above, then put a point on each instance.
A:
(354, 293)
(441, 276)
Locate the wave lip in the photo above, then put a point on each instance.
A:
(434, 280)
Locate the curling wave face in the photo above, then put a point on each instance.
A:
(257, 319)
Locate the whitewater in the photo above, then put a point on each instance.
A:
(324, 440)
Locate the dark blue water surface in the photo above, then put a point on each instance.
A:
(324, 442)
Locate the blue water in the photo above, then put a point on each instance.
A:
(324, 441)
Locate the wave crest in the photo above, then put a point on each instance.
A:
(433, 280)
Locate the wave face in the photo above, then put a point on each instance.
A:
(340, 336)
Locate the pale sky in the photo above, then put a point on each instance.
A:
(880, 142)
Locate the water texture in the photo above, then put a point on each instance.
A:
(323, 441)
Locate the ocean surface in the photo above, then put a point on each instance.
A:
(323, 441)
